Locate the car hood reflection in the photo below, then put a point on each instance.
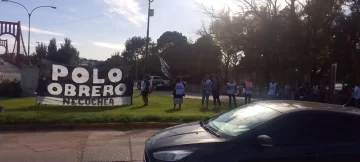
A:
(191, 133)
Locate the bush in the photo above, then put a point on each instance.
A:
(10, 88)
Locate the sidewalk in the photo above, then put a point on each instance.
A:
(74, 146)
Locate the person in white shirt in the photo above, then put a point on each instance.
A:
(248, 88)
(231, 90)
(357, 95)
(272, 89)
(287, 92)
(206, 88)
(179, 92)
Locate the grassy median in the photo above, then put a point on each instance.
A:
(160, 109)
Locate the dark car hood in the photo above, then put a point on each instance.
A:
(191, 133)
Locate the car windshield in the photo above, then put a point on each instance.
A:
(240, 120)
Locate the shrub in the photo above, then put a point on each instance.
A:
(10, 88)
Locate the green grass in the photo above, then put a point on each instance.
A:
(24, 111)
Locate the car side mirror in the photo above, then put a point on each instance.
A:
(263, 141)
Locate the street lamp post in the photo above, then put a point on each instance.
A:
(150, 13)
(29, 14)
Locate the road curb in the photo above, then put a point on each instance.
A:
(90, 126)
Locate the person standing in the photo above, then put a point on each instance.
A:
(292, 91)
(287, 92)
(145, 89)
(357, 95)
(206, 87)
(179, 92)
(231, 90)
(216, 91)
(315, 94)
(248, 84)
(272, 90)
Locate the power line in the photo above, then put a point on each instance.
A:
(94, 17)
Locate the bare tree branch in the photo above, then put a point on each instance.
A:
(252, 7)
(203, 31)
(208, 11)
(301, 3)
(287, 2)
(274, 6)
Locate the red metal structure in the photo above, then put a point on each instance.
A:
(4, 43)
(14, 29)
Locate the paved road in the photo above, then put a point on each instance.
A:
(73, 146)
(9, 71)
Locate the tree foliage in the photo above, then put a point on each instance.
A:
(39, 54)
(66, 54)
(295, 42)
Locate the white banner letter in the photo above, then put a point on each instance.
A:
(108, 89)
(70, 90)
(115, 75)
(59, 71)
(54, 88)
(96, 79)
(80, 75)
(120, 89)
(83, 89)
(95, 91)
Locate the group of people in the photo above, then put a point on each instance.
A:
(178, 91)
(212, 86)
(208, 87)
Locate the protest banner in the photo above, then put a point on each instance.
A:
(83, 86)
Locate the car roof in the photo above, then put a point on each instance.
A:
(291, 106)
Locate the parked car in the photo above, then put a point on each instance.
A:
(276, 131)
(159, 83)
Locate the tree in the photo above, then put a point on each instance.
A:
(228, 32)
(116, 60)
(171, 39)
(68, 54)
(52, 50)
(39, 54)
(300, 39)
(205, 58)
(134, 51)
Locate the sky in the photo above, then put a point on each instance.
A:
(98, 28)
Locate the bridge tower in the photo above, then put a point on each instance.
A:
(4, 43)
(14, 29)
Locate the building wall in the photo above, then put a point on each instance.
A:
(29, 80)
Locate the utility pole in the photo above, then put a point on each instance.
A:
(29, 15)
(150, 13)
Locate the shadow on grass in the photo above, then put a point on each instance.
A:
(172, 110)
(137, 107)
(53, 108)
(13, 98)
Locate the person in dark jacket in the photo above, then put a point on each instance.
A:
(145, 89)
(216, 91)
